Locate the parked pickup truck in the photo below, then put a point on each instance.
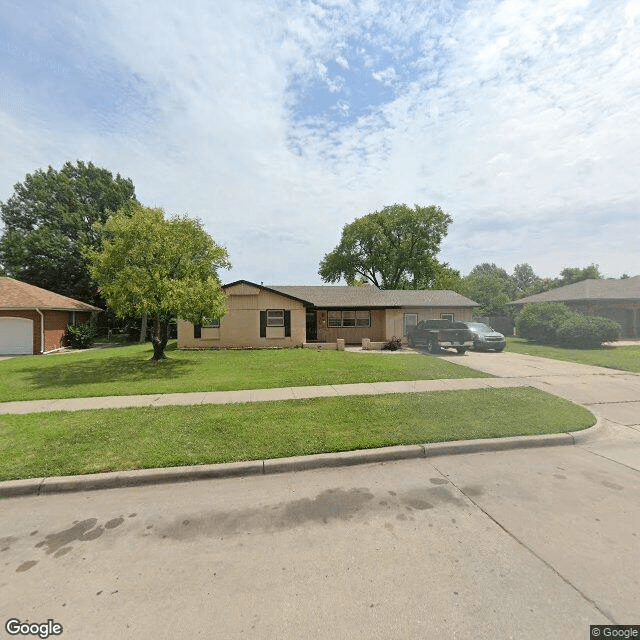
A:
(434, 334)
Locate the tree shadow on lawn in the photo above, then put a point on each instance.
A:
(132, 369)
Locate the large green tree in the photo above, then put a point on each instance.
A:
(48, 221)
(570, 275)
(490, 286)
(525, 280)
(391, 248)
(160, 267)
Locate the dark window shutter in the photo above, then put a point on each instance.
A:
(197, 330)
(263, 324)
(287, 323)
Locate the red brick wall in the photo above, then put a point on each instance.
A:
(32, 315)
(55, 324)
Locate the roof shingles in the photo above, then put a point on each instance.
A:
(369, 296)
(609, 289)
(20, 295)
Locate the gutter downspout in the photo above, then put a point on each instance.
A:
(41, 331)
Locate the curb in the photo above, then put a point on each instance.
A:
(142, 477)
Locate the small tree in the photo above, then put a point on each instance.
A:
(159, 267)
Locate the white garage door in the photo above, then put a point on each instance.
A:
(16, 336)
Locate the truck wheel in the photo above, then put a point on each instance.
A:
(461, 350)
(411, 342)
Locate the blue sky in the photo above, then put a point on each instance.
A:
(278, 123)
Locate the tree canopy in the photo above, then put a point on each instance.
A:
(570, 275)
(392, 248)
(48, 221)
(160, 267)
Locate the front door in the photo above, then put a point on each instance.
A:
(312, 325)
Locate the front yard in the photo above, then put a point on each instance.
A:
(626, 358)
(128, 371)
(69, 443)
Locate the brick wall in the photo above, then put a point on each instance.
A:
(55, 324)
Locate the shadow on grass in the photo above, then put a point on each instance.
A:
(109, 370)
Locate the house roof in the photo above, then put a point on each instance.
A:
(610, 289)
(367, 296)
(20, 295)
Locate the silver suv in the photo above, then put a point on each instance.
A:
(485, 338)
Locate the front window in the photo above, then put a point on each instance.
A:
(349, 318)
(363, 318)
(335, 318)
(446, 316)
(275, 317)
(210, 323)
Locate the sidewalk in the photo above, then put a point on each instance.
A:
(256, 395)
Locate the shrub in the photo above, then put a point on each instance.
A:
(555, 323)
(608, 330)
(394, 344)
(79, 336)
(587, 333)
(540, 322)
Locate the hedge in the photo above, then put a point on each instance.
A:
(555, 323)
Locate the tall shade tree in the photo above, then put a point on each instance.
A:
(48, 222)
(525, 280)
(490, 286)
(392, 248)
(570, 275)
(159, 267)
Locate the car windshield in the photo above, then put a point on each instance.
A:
(480, 326)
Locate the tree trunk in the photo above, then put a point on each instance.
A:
(143, 330)
(160, 338)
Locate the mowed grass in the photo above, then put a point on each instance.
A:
(129, 371)
(69, 443)
(626, 358)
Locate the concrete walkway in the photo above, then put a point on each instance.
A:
(257, 395)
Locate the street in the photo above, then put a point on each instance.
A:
(536, 543)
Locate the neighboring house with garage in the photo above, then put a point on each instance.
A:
(618, 300)
(33, 320)
(290, 316)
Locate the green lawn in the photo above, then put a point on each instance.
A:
(626, 358)
(69, 443)
(128, 371)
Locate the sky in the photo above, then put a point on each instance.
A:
(277, 123)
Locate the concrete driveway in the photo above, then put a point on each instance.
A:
(608, 393)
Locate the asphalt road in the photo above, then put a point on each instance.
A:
(538, 543)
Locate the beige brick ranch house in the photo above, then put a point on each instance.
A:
(291, 316)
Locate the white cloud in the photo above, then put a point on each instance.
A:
(520, 119)
(386, 76)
